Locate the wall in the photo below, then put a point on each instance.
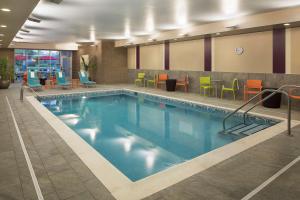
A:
(114, 63)
(111, 62)
(131, 62)
(152, 57)
(294, 50)
(187, 55)
(257, 56)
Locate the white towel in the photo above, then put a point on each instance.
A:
(60, 74)
(82, 74)
(31, 74)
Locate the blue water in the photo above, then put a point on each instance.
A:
(142, 137)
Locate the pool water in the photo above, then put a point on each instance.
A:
(140, 136)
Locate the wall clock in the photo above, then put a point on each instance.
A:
(239, 50)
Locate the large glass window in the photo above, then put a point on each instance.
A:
(45, 62)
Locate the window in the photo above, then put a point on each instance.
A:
(45, 62)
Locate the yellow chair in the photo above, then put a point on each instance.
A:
(233, 89)
(140, 79)
(205, 84)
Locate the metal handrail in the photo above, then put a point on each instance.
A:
(279, 90)
(22, 92)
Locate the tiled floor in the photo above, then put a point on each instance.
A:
(62, 175)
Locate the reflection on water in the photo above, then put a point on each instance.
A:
(138, 136)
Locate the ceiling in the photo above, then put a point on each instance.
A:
(91, 20)
(14, 19)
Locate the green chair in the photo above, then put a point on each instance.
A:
(233, 89)
(33, 81)
(140, 79)
(205, 84)
(61, 80)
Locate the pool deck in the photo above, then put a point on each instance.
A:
(62, 175)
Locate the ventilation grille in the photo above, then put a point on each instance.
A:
(55, 1)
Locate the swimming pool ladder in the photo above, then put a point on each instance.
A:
(279, 90)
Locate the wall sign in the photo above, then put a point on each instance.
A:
(239, 50)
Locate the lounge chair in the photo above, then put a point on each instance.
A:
(61, 80)
(33, 81)
(84, 79)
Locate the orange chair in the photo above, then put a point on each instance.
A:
(252, 87)
(161, 79)
(183, 82)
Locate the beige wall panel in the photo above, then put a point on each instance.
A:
(131, 58)
(152, 57)
(257, 56)
(187, 55)
(295, 51)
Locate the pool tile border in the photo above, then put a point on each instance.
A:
(120, 186)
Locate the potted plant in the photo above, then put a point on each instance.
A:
(90, 65)
(5, 75)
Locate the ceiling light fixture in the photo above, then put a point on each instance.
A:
(286, 24)
(218, 33)
(3, 26)
(5, 9)
(1, 35)
(152, 39)
(183, 34)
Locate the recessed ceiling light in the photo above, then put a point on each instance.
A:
(286, 24)
(3, 26)
(1, 35)
(5, 9)
(218, 33)
(1, 40)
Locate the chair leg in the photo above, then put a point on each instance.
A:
(233, 95)
(222, 92)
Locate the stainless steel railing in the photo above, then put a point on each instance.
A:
(279, 90)
(22, 92)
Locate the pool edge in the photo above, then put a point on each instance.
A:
(121, 187)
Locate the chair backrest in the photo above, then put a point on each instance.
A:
(235, 84)
(162, 77)
(256, 84)
(60, 77)
(32, 75)
(205, 80)
(141, 75)
(83, 76)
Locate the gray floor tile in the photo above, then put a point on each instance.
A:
(67, 184)
(81, 196)
(13, 192)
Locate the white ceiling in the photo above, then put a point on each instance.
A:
(90, 20)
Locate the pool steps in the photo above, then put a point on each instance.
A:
(246, 129)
